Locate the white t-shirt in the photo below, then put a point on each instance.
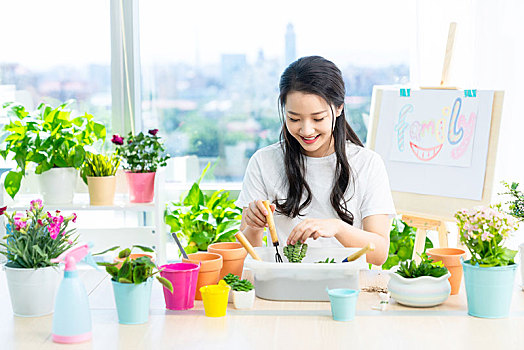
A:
(368, 194)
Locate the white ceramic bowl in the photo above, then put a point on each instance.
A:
(423, 291)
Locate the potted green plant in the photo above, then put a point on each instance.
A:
(202, 219)
(490, 273)
(421, 285)
(33, 238)
(401, 243)
(516, 209)
(243, 294)
(98, 172)
(132, 283)
(53, 140)
(142, 154)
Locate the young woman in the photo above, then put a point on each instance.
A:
(321, 180)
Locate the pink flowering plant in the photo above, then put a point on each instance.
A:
(36, 236)
(484, 230)
(142, 153)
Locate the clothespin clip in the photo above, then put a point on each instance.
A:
(470, 93)
(405, 92)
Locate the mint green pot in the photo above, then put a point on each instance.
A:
(489, 289)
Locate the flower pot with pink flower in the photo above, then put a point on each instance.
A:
(34, 238)
(489, 275)
(142, 154)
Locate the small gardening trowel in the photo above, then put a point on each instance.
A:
(359, 253)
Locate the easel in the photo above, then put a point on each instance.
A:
(434, 211)
(424, 223)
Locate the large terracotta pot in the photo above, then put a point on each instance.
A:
(101, 190)
(210, 265)
(141, 187)
(450, 257)
(233, 254)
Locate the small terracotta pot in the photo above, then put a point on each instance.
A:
(233, 254)
(120, 261)
(141, 187)
(210, 265)
(101, 190)
(450, 257)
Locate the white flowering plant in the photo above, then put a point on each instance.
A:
(484, 231)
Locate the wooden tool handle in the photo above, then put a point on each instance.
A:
(243, 240)
(362, 251)
(271, 223)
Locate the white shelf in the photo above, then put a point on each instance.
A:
(80, 202)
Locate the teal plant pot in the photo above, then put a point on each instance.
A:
(489, 289)
(132, 301)
(343, 303)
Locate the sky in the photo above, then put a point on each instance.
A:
(55, 32)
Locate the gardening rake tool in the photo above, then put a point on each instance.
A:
(272, 230)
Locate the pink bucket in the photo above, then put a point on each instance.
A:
(184, 278)
(141, 187)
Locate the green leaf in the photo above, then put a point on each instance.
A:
(107, 250)
(78, 156)
(195, 197)
(144, 248)
(165, 282)
(124, 253)
(12, 183)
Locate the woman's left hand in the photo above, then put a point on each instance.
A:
(313, 228)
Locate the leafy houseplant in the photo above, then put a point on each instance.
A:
(99, 165)
(202, 220)
(98, 172)
(132, 283)
(135, 271)
(490, 273)
(422, 285)
(142, 154)
(402, 242)
(516, 205)
(49, 137)
(34, 238)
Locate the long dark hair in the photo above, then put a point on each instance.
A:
(318, 76)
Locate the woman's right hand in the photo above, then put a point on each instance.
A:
(255, 214)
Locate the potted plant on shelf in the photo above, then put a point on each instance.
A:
(142, 155)
(422, 285)
(490, 273)
(53, 140)
(98, 172)
(33, 239)
(132, 283)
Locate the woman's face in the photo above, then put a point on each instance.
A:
(310, 122)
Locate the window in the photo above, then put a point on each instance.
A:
(54, 51)
(210, 70)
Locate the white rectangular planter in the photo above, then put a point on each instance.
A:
(243, 300)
